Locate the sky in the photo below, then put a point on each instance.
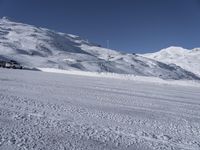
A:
(139, 26)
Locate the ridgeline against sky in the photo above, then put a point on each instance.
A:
(131, 25)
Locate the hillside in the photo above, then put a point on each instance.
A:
(36, 47)
(185, 58)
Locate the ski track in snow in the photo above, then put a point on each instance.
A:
(47, 111)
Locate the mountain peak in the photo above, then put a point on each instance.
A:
(174, 50)
(5, 18)
(187, 59)
(8, 19)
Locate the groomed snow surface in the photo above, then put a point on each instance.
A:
(48, 111)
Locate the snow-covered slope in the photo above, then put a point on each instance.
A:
(48, 111)
(187, 59)
(42, 48)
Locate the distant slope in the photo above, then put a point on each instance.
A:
(187, 59)
(42, 48)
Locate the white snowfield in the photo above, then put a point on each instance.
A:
(48, 111)
(185, 58)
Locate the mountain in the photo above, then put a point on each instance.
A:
(36, 47)
(186, 59)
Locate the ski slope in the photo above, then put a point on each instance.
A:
(51, 111)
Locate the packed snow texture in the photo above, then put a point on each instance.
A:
(51, 111)
(123, 77)
(35, 47)
(187, 59)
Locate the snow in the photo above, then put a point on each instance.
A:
(35, 47)
(123, 77)
(89, 97)
(40, 110)
(185, 58)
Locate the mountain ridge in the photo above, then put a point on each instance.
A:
(43, 48)
(185, 58)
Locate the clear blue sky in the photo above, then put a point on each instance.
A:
(130, 25)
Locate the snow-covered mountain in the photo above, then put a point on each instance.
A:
(42, 48)
(186, 59)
